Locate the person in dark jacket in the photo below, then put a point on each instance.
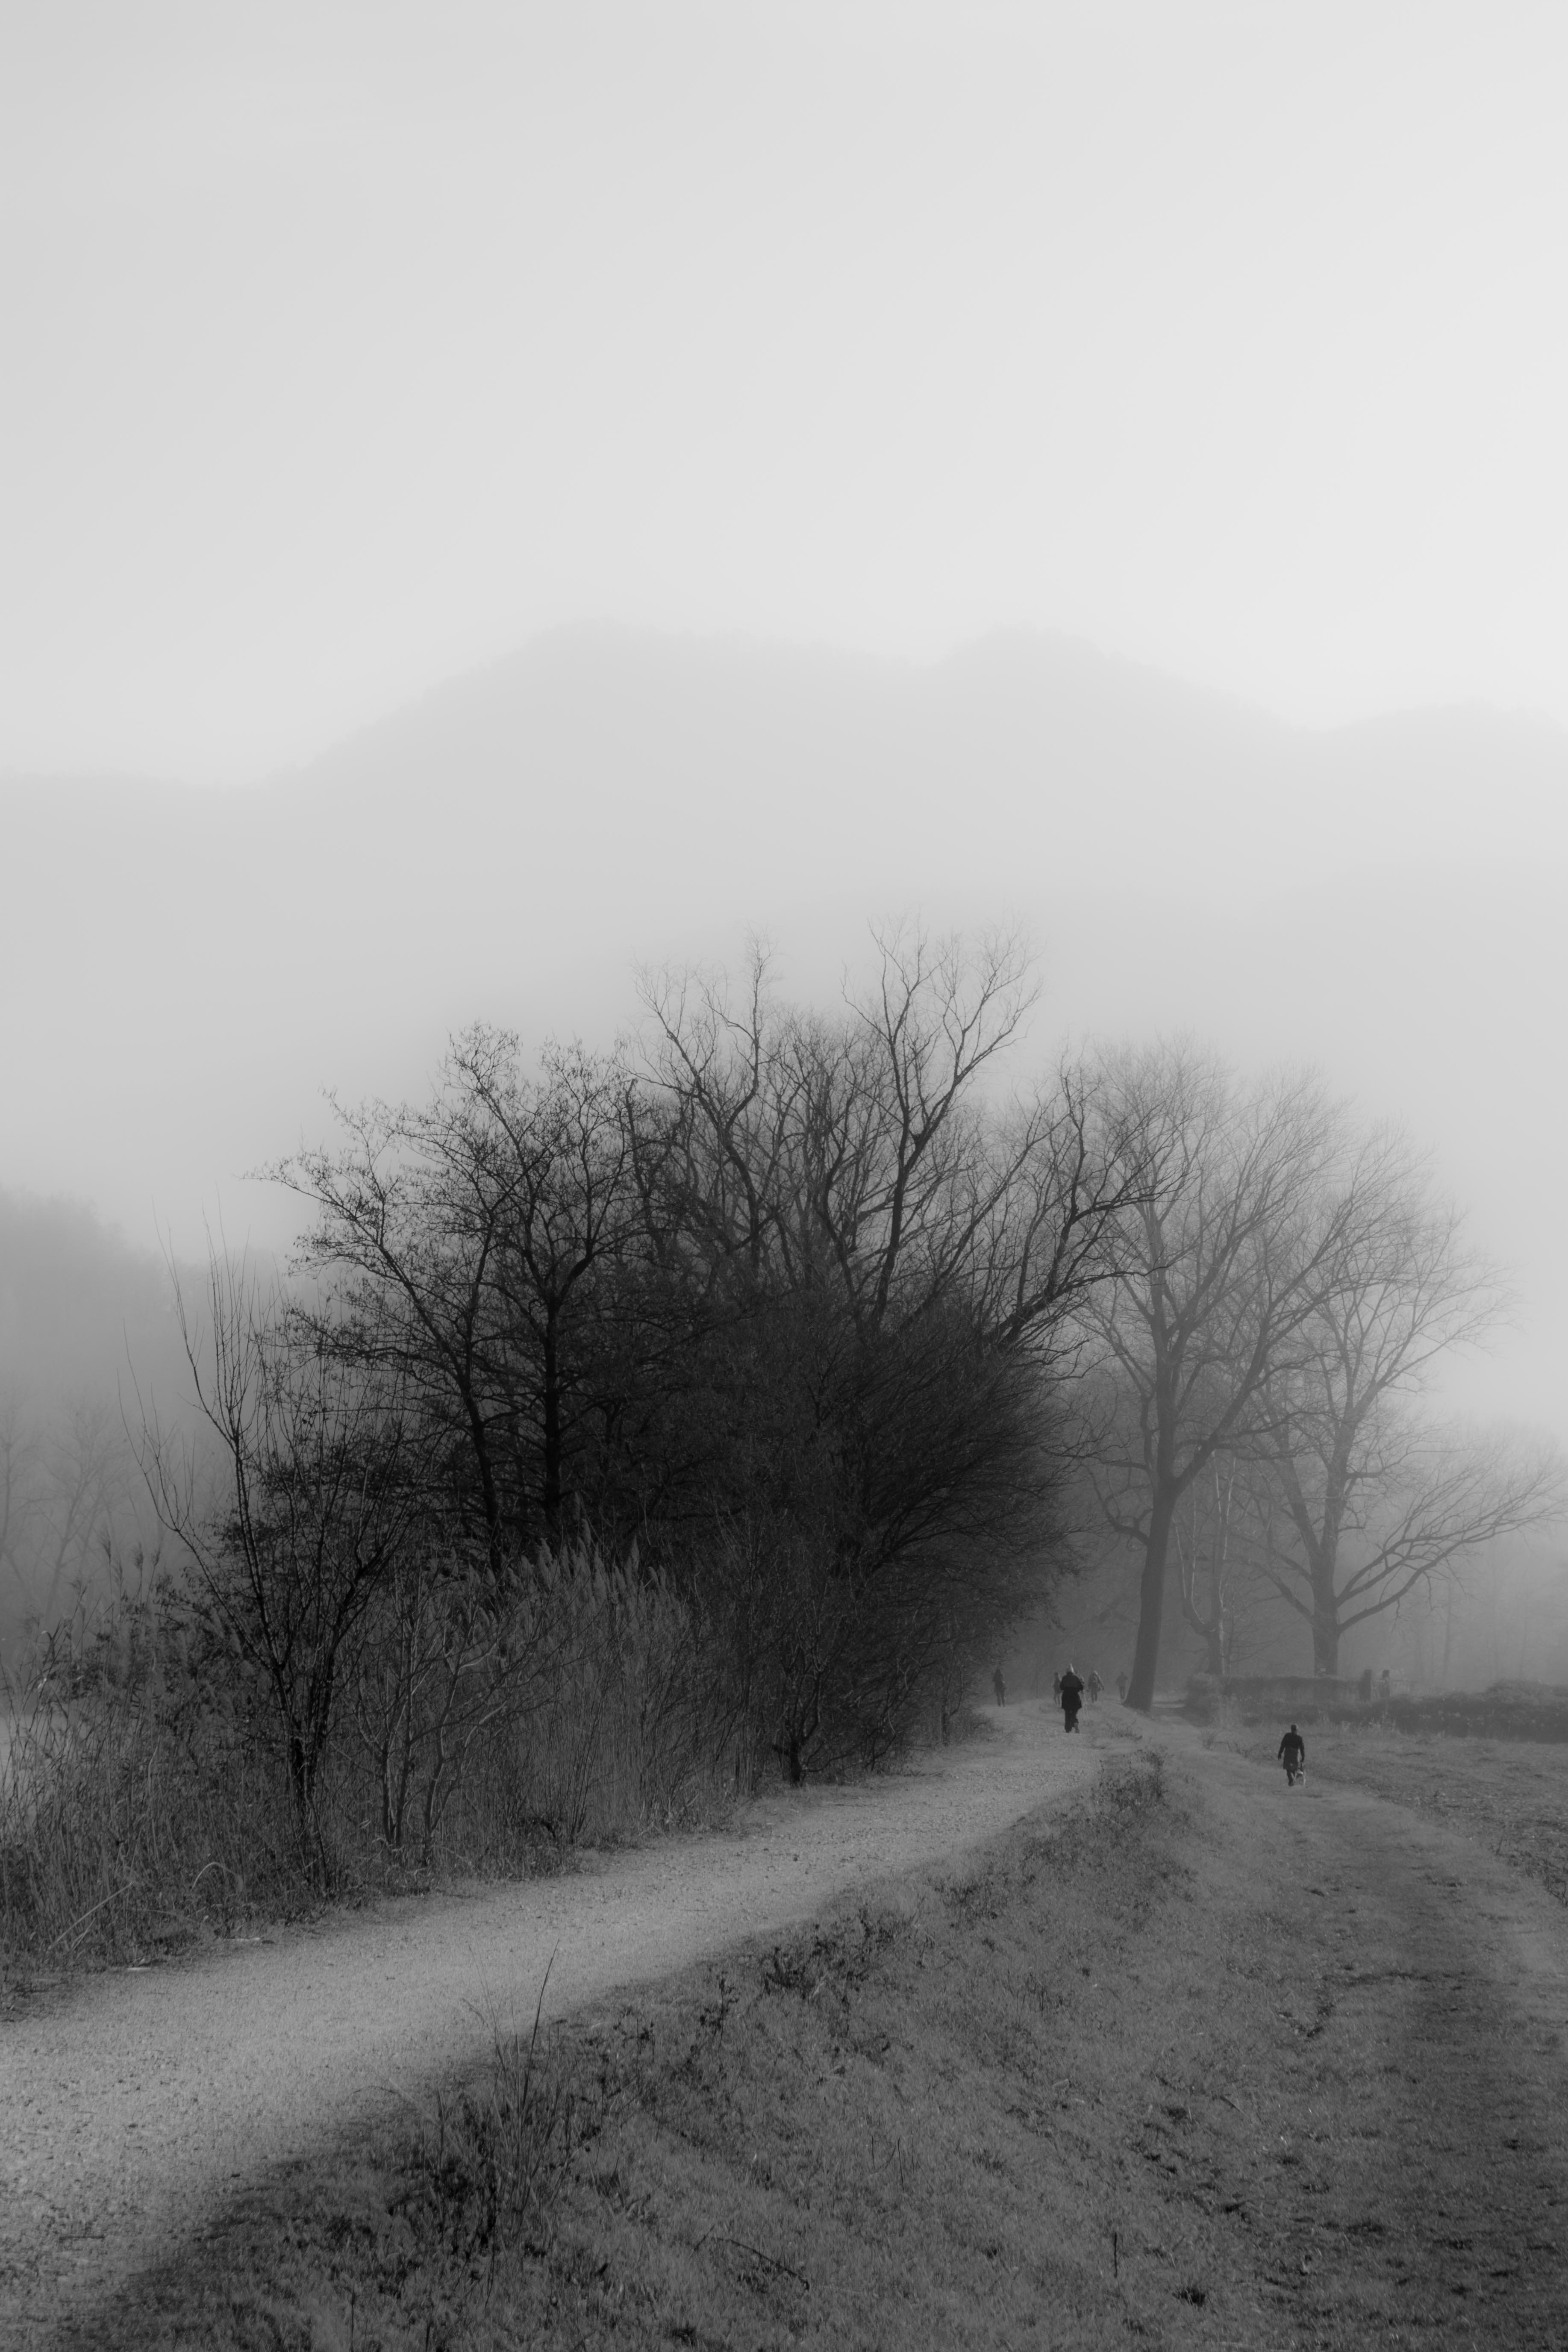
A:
(1293, 1756)
(1000, 1688)
(1072, 1698)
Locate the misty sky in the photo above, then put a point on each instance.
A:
(344, 345)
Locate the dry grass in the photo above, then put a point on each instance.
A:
(842, 2139)
(1508, 1795)
(1536, 1712)
(1132, 2082)
(144, 1806)
(120, 1839)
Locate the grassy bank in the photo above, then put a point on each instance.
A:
(886, 2130)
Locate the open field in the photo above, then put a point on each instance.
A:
(1510, 1796)
(1208, 2064)
(1535, 1712)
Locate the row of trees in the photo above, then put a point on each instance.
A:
(851, 1354)
(76, 1304)
(777, 1306)
(70, 1500)
(1283, 1296)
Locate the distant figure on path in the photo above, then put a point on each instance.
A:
(1384, 1684)
(1121, 1688)
(1000, 1688)
(1293, 1756)
(1072, 1699)
(1094, 1687)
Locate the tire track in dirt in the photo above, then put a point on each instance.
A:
(133, 2102)
(1389, 2162)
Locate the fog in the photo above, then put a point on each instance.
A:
(346, 345)
(498, 497)
(197, 968)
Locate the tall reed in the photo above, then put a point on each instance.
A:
(143, 1797)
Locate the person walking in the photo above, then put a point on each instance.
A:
(1094, 1687)
(1293, 1756)
(1121, 1688)
(1000, 1688)
(1072, 1699)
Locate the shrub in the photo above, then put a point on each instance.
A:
(145, 1796)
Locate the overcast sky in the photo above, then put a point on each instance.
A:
(344, 345)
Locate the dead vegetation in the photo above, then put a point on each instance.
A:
(143, 1812)
(1537, 1712)
(1510, 1796)
(1198, 2069)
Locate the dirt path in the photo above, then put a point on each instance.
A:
(1371, 2136)
(134, 2101)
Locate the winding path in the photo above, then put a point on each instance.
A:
(1372, 2142)
(134, 2101)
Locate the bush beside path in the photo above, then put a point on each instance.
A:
(137, 2101)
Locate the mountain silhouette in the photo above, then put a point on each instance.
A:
(186, 971)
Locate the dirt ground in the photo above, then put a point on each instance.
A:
(135, 2101)
(1508, 1795)
(1398, 2142)
(1249, 2068)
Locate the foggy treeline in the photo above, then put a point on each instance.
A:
(634, 1424)
(83, 1317)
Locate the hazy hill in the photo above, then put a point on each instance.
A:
(183, 972)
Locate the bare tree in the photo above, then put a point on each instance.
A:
(1417, 1496)
(1210, 1532)
(550, 1162)
(319, 1487)
(900, 1184)
(890, 1263)
(18, 1495)
(1222, 1263)
(840, 1150)
(1368, 1499)
(461, 1242)
(68, 1492)
(89, 1474)
(832, 1200)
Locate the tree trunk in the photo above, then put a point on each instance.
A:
(1325, 1633)
(551, 1429)
(1152, 1602)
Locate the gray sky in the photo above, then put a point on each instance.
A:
(347, 342)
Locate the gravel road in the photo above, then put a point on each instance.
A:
(133, 2100)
